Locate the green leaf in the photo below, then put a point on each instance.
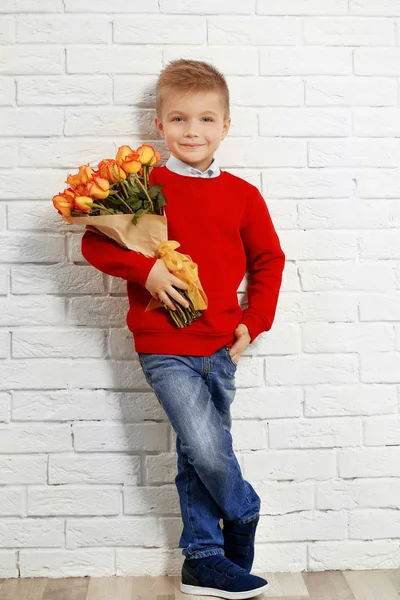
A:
(161, 199)
(154, 191)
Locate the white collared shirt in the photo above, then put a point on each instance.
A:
(181, 168)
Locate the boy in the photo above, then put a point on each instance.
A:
(222, 222)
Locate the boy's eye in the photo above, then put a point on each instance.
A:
(208, 118)
(175, 118)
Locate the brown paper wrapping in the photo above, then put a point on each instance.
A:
(144, 237)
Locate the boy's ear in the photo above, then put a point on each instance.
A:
(159, 126)
(225, 127)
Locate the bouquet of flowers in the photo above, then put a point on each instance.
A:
(118, 201)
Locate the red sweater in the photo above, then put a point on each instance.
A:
(224, 225)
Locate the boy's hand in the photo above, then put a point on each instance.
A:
(159, 283)
(242, 341)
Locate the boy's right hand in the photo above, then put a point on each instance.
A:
(159, 283)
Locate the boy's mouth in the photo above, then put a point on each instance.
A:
(192, 145)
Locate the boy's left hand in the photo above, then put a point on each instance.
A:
(242, 341)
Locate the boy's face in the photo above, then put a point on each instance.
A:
(193, 125)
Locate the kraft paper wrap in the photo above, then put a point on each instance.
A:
(150, 237)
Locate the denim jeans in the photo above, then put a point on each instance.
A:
(196, 393)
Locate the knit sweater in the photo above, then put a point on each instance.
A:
(223, 223)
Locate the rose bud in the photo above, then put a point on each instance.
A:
(132, 163)
(123, 151)
(146, 155)
(83, 203)
(99, 188)
(63, 205)
(110, 169)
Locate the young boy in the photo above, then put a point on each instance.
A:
(223, 223)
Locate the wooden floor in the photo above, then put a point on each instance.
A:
(327, 585)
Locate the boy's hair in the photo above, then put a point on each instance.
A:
(191, 76)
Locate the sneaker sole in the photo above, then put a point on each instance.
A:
(206, 591)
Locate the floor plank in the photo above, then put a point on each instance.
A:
(327, 585)
(371, 585)
(70, 588)
(29, 588)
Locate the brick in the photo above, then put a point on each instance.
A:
(25, 533)
(148, 562)
(343, 555)
(374, 524)
(109, 121)
(258, 31)
(377, 61)
(307, 183)
(28, 122)
(267, 403)
(382, 431)
(301, 7)
(56, 279)
(109, 312)
(121, 344)
(22, 6)
(378, 183)
(25, 311)
(347, 337)
(151, 500)
(4, 344)
(36, 248)
(94, 469)
(329, 400)
(58, 405)
(67, 563)
(65, 153)
(27, 60)
(59, 91)
(112, 532)
(349, 31)
(351, 91)
(63, 29)
(337, 494)
(4, 277)
(11, 502)
(8, 153)
(35, 438)
(249, 372)
(375, 7)
(7, 30)
(281, 339)
(262, 153)
(56, 373)
(311, 369)
(58, 343)
(305, 307)
(326, 275)
(23, 469)
(7, 91)
(380, 367)
(230, 60)
(25, 216)
(135, 90)
(306, 61)
(113, 59)
(369, 462)
(284, 216)
(207, 7)
(73, 500)
(5, 407)
(348, 214)
(304, 122)
(315, 433)
(297, 465)
(319, 246)
(354, 153)
(301, 526)
(249, 435)
(8, 564)
(97, 437)
(159, 29)
(386, 245)
(87, 6)
(266, 91)
(377, 122)
(378, 307)
(288, 497)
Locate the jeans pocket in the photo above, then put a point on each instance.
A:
(227, 351)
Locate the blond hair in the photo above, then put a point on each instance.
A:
(191, 76)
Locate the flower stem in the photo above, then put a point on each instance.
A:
(145, 191)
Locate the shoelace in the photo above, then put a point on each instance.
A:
(226, 567)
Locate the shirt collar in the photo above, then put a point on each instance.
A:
(181, 168)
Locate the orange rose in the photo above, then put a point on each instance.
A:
(64, 203)
(122, 153)
(82, 178)
(83, 203)
(132, 163)
(147, 155)
(98, 188)
(110, 169)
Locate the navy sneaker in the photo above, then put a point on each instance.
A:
(239, 542)
(218, 576)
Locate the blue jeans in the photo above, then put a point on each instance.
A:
(196, 393)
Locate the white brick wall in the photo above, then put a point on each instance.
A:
(87, 456)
